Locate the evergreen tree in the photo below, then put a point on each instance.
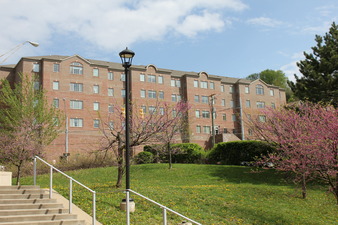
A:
(319, 82)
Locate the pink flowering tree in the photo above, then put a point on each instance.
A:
(144, 128)
(306, 136)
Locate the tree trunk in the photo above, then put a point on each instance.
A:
(169, 153)
(18, 175)
(120, 164)
(304, 186)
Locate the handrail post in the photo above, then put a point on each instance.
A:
(164, 216)
(70, 195)
(127, 207)
(94, 208)
(34, 172)
(50, 182)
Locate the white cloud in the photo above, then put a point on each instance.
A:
(291, 68)
(110, 24)
(264, 21)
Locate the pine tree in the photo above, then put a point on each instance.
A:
(319, 82)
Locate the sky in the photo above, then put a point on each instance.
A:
(232, 38)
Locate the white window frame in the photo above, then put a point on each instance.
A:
(76, 68)
(151, 78)
(160, 79)
(142, 93)
(204, 84)
(96, 89)
(95, 72)
(142, 77)
(110, 92)
(76, 122)
(76, 87)
(56, 85)
(110, 75)
(96, 106)
(152, 94)
(96, 123)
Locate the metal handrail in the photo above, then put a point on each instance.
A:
(71, 180)
(165, 209)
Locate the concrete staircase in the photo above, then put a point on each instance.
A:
(30, 205)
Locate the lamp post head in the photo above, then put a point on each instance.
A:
(126, 57)
(35, 44)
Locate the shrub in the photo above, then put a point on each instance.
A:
(144, 157)
(181, 153)
(235, 152)
(187, 153)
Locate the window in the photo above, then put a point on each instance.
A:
(96, 123)
(151, 78)
(206, 129)
(260, 105)
(173, 98)
(142, 77)
(111, 125)
(212, 85)
(198, 129)
(273, 105)
(161, 94)
(205, 114)
(161, 111)
(250, 132)
(151, 94)
(144, 108)
(110, 91)
(110, 75)
(224, 116)
(152, 109)
(179, 98)
(55, 85)
(272, 93)
(76, 104)
(110, 108)
(95, 72)
(56, 103)
(197, 98)
(96, 106)
(225, 130)
(76, 122)
(247, 103)
(143, 93)
(223, 102)
(96, 89)
(197, 113)
(233, 117)
(222, 88)
(123, 93)
(36, 67)
(246, 90)
(76, 68)
(196, 83)
(174, 113)
(204, 84)
(36, 85)
(56, 67)
(261, 118)
(76, 87)
(231, 89)
(205, 99)
(232, 104)
(259, 89)
(175, 83)
(160, 79)
(123, 77)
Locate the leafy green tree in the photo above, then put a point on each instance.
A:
(273, 77)
(27, 121)
(319, 82)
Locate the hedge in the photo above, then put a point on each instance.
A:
(235, 152)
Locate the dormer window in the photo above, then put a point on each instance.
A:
(76, 68)
(259, 89)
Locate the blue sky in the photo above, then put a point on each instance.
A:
(233, 38)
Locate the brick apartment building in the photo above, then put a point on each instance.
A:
(83, 87)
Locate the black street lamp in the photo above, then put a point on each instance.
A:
(127, 58)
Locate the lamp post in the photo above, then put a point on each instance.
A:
(66, 154)
(16, 48)
(127, 58)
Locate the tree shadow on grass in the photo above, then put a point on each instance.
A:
(253, 175)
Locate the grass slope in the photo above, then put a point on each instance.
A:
(209, 194)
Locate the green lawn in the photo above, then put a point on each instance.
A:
(209, 194)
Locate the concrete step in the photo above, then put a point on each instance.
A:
(48, 217)
(12, 212)
(24, 196)
(63, 222)
(31, 206)
(22, 191)
(25, 187)
(27, 201)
